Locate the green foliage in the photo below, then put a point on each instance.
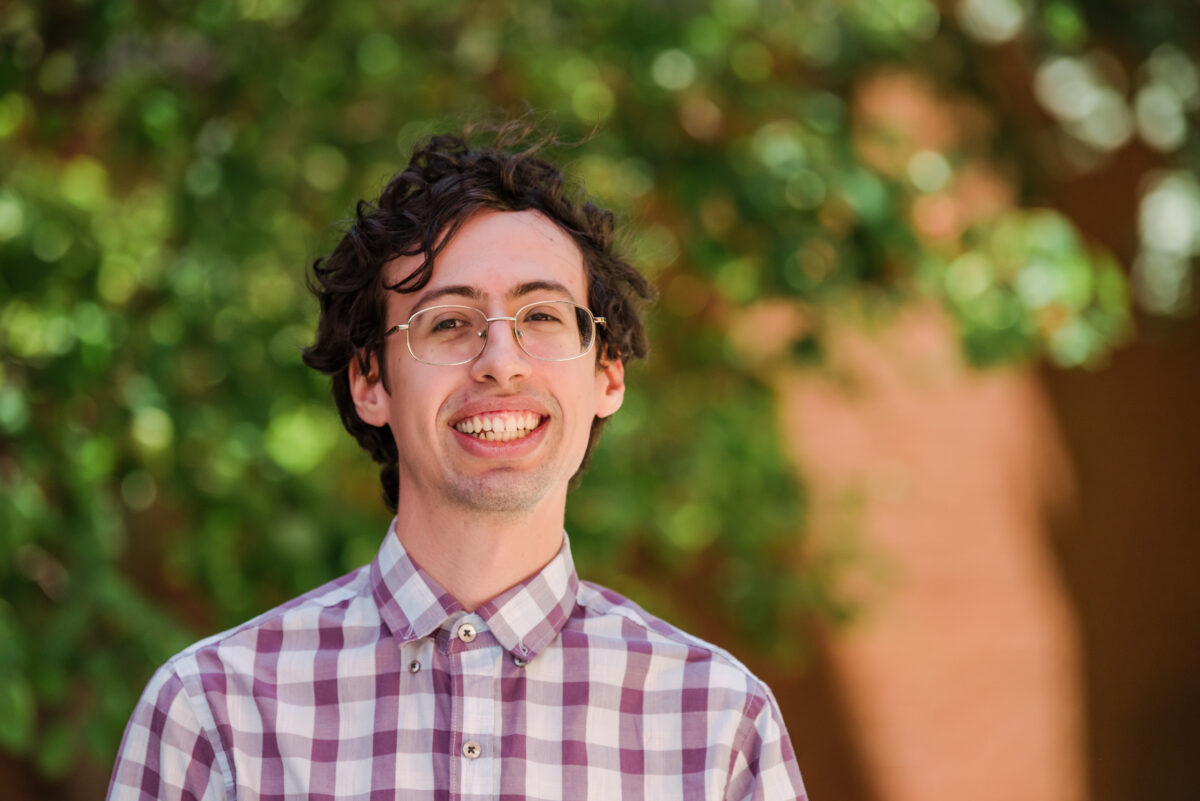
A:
(168, 467)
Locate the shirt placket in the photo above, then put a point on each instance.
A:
(474, 659)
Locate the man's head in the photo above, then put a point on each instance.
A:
(392, 258)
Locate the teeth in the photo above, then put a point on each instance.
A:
(500, 427)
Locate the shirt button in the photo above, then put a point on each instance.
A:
(518, 661)
(466, 633)
(471, 749)
(414, 666)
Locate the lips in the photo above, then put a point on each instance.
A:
(503, 426)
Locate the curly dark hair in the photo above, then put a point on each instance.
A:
(446, 182)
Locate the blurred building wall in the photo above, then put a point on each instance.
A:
(934, 483)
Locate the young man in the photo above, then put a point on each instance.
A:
(476, 324)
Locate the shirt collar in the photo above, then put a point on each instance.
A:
(528, 616)
(411, 603)
(525, 618)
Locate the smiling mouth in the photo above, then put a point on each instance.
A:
(500, 427)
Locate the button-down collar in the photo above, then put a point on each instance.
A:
(524, 618)
(411, 603)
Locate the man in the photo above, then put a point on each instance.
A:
(476, 324)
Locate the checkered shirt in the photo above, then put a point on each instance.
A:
(379, 685)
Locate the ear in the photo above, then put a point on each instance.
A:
(370, 395)
(610, 387)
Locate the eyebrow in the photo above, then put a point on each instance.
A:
(472, 293)
(530, 287)
(458, 290)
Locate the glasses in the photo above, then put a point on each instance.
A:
(550, 330)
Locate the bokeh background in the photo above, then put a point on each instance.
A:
(917, 438)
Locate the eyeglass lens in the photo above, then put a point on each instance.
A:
(550, 330)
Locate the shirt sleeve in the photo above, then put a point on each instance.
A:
(166, 752)
(764, 765)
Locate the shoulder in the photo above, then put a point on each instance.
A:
(301, 625)
(183, 728)
(688, 691)
(611, 620)
(608, 613)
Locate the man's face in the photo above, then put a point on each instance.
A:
(497, 262)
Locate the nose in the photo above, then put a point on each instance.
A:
(502, 359)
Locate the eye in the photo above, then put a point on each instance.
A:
(544, 315)
(446, 322)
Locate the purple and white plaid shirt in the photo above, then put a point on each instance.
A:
(380, 686)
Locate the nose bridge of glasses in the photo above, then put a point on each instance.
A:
(487, 327)
(485, 338)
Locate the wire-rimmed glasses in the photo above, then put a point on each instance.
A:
(549, 330)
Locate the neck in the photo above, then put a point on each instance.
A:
(477, 555)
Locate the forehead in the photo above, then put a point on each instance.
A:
(494, 254)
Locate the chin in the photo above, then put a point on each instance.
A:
(500, 494)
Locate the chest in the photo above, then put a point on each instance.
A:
(426, 723)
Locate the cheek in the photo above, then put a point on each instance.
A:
(575, 394)
(588, 404)
(417, 397)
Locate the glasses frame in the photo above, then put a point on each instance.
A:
(483, 335)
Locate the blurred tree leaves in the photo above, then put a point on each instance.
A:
(168, 169)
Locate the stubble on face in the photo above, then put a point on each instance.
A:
(504, 494)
